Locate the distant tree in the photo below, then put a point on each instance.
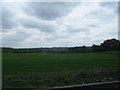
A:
(95, 48)
(111, 44)
(84, 49)
(107, 45)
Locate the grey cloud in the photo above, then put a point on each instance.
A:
(118, 8)
(93, 25)
(108, 4)
(113, 5)
(0, 19)
(76, 30)
(16, 39)
(42, 17)
(49, 10)
(28, 23)
(8, 21)
(50, 38)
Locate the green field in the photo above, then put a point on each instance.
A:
(40, 63)
(49, 70)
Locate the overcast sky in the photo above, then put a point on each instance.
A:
(58, 24)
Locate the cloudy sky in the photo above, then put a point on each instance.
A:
(58, 24)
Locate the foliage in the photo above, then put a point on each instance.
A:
(107, 45)
(47, 80)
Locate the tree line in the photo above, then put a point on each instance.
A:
(107, 45)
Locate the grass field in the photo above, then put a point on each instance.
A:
(48, 70)
(39, 63)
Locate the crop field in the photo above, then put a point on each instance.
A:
(39, 63)
(26, 68)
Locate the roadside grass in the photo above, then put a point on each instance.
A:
(47, 80)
